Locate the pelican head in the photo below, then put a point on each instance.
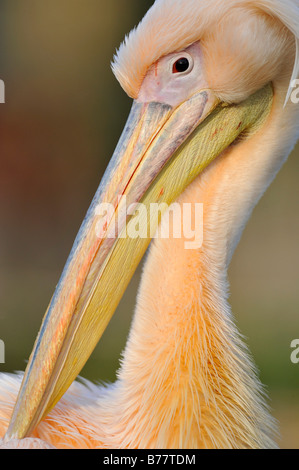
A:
(206, 77)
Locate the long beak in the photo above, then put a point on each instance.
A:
(159, 154)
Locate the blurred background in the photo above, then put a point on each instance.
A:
(63, 115)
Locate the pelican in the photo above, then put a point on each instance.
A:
(212, 122)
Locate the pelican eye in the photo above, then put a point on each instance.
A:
(181, 65)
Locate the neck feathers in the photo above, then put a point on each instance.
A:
(186, 372)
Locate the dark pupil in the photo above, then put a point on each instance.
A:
(181, 65)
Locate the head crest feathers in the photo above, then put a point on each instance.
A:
(172, 25)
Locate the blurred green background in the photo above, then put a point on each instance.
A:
(63, 115)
